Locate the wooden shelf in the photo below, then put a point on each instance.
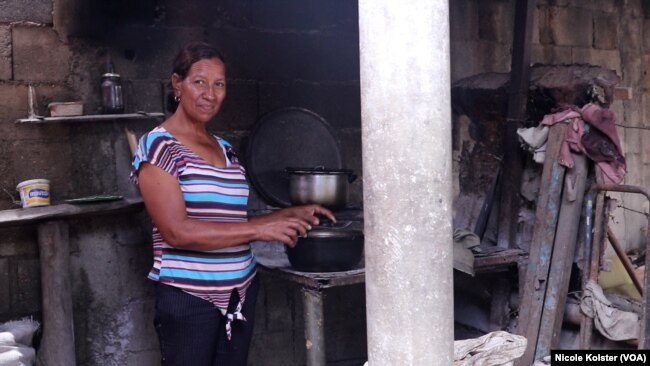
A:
(32, 215)
(94, 118)
(499, 261)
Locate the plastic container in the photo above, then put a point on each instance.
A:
(34, 192)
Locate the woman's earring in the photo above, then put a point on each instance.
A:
(177, 98)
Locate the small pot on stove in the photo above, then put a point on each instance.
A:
(327, 249)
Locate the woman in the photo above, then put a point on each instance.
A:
(195, 192)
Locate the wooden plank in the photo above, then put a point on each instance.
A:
(487, 206)
(546, 217)
(31, 215)
(499, 261)
(57, 344)
(475, 201)
(564, 246)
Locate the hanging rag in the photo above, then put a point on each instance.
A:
(464, 240)
(614, 324)
(572, 135)
(602, 144)
(493, 349)
(591, 131)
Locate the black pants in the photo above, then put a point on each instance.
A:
(192, 331)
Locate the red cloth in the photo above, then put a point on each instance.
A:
(599, 141)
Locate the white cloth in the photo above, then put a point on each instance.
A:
(614, 324)
(17, 356)
(493, 349)
(534, 139)
(16, 342)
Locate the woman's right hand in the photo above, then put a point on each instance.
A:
(287, 224)
(285, 230)
(310, 213)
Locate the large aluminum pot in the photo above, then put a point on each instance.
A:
(328, 187)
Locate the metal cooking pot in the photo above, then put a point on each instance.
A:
(327, 250)
(328, 187)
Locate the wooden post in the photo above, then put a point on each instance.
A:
(566, 237)
(518, 98)
(541, 247)
(57, 345)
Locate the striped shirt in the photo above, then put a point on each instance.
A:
(211, 194)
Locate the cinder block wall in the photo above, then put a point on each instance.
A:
(607, 33)
(279, 54)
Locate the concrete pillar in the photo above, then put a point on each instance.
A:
(406, 134)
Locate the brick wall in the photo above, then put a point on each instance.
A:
(279, 54)
(606, 33)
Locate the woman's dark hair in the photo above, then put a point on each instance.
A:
(188, 55)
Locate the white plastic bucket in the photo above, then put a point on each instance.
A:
(34, 192)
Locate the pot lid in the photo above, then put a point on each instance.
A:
(319, 170)
(334, 233)
(283, 138)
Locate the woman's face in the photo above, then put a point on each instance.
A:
(203, 90)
